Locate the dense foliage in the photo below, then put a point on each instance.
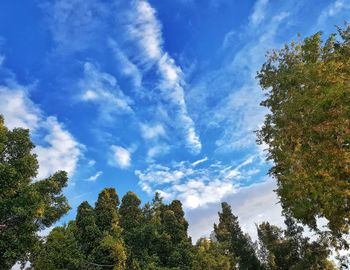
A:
(289, 249)
(26, 206)
(154, 237)
(308, 128)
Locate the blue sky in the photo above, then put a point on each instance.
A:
(152, 95)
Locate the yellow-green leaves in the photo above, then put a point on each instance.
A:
(308, 128)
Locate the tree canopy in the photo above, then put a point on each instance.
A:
(307, 130)
(27, 205)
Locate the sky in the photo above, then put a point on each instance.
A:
(152, 96)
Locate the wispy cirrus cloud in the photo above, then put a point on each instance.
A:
(103, 90)
(94, 177)
(127, 67)
(195, 184)
(259, 12)
(237, 113)
(145, 29)
(331, 11)
(74, 24)
(152, 132)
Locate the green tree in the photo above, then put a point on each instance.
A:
(239, 245)
(26, 206)
(289, 249)
(110, 249)
(106, 209)
(307, 130)
(211, 256)
(131, 221)
(130, 211)
(60, 251)
(88, 234)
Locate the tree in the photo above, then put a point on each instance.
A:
(110, 249)
(106, 209)
(131, 219)
(289, 249)
(88, 234)
(130, 211)
(307, 130)
(60, 251)
(26, 206)
(229, 234)
(210, 255)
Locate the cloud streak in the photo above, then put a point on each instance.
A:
(145, 29)
(193, 185)
(103, 90)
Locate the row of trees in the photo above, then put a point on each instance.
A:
(308, 137)
(154, 237)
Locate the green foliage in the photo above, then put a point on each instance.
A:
(307, 131)
(238, 245)
(107, 209)
(110, 249)
(211, 255)
(60, 251)
(88, 233)
(289, 249)
(25, 206)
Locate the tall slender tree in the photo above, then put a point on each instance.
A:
(239, 245)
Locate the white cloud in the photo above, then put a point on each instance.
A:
(194, 164)
(57, 149)
(75, 24)
(92, 162)
(121, 157)
(259, 11)
(102, 89)
(61, 150)
(252, 205)
(195, 186)
(237, 113)
(160, 149)
(150, 132)
(332, 11)
(94, 177)
(337, 7)
(145, 29)
(17, 108)
(128, 68)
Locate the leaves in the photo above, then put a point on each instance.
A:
(25, 206)
(307, 130)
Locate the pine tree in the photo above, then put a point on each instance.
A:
(111, 249)
(229, 234)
